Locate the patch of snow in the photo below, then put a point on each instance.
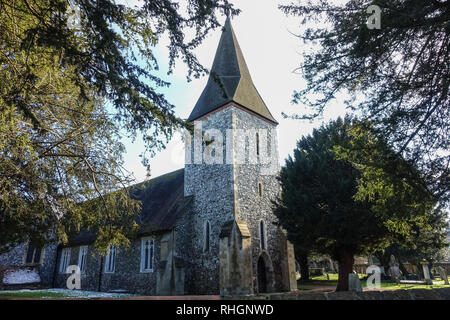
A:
(75, 293)
(119, 291)
(22, 276)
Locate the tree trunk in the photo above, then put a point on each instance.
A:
(304, 269)
(345, 261)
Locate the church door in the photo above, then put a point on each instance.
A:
(262, 276)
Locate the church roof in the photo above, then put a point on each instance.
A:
(163, 201)
(229, 80)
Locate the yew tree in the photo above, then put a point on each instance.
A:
(75, 76)
(319, 205)
(397, 77)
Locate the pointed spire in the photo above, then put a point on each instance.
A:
(229, 80)
(227, 13)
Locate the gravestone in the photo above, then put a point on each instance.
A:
(426, 273)
(395, 273)
(443, 274)
(354, 284)
(332, 269)
(394, 270)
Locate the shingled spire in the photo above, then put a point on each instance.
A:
(229, 80)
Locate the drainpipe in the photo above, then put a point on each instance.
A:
(100, 275)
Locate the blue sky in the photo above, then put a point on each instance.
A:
(272, 53)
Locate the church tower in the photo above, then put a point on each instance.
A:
(230, 172)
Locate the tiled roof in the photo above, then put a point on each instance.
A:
(163, 202)
(229, 80)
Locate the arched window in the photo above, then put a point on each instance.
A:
(260, 189)
(207, 236)
(65, 260)
(257, 144)
(262, 235)
(110, 259)
(82, 258)
(147, 253)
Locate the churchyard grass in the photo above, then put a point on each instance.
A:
(31, 295)
(321, 281)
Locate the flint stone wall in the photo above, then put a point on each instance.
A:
(16, 258)
(126, 276)
(229, 190)
(212, 188)
(252, 207)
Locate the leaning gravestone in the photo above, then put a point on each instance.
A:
(354, 284)
(426, 273)
(443, 275)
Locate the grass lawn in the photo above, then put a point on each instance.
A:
(333, 277)
(33, 294)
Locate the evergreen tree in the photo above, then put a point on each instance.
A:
(400, 74)
(68, 91)
(319, 205)
(427, 242)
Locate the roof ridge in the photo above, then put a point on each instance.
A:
(155, 178)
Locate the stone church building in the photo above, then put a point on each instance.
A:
(207, 228)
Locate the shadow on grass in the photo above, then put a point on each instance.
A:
(332, 280)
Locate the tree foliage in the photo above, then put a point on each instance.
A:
(396, 76)
(426, 242)
(67, 94)
(320, 206)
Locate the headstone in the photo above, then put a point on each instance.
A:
(354, 284)
(443, 274)
(331, 265)
(426, 273)
(394, 270)
(395, 273)
(393, 261)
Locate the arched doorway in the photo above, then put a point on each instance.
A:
(265, 274)
(262, 276)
